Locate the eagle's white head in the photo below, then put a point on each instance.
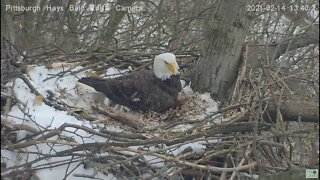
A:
(165, 65)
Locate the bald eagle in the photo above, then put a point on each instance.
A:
(143, 90)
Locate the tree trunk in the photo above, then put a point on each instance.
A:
(224, 33)
(115, 19)
(7, 26)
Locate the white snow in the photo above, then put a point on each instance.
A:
(196, 147)
(186, 90)
(42, 116)
(213, 106)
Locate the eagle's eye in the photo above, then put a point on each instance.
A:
(166, 62)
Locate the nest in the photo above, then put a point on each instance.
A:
(193, 140)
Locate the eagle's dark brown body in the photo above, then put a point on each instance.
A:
(140, 90)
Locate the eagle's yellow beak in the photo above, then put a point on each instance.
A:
(171, 68)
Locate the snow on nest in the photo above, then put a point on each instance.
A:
(195, 106)
(192, 106)
(44, 116)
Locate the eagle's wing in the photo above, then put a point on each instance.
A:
(137, 90)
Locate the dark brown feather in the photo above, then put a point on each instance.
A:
(140, 90)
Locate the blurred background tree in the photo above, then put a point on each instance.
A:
(213, 32)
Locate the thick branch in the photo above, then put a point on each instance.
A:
(274, 51)
(290, 111)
